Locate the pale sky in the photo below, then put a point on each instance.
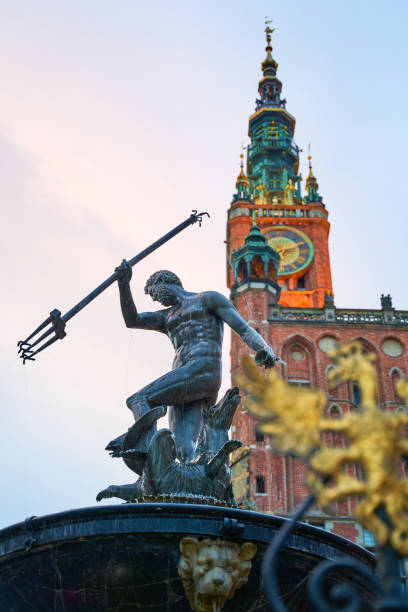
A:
(117, 119)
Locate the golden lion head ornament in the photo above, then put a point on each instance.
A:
(212, 570)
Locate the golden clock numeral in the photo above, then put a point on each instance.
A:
(301, 259)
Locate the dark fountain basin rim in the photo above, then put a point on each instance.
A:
(197, 520)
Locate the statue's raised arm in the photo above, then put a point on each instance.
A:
(225, 310)
(145, 320)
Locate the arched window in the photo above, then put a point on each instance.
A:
(355, 390)
(242, 270)
(335, 411)
(334, 438)
(396, 374)
(299, 355)
(257, 267)
(271, 271)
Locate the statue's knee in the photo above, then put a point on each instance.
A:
(138, 404)
(131, 401)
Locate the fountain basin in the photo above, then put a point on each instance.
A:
(125, 557)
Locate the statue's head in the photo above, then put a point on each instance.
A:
(160, 286)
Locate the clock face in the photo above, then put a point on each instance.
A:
(294, 247)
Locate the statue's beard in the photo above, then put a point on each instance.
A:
(163, 295)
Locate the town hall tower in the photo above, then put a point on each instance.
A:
(278, 272)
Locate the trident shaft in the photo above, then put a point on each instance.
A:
(54, 325)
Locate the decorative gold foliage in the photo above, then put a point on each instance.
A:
(356, 366)
(375, 441)
(290, 414)
(402, 389)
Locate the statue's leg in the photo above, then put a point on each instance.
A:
(186, 421)
(188, 383)
(187, 388)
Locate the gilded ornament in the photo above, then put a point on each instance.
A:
(212, 570)
(288, 193)
(402, 389)
(376, 440)
(290, 414)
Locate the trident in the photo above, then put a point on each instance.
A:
(57, 323)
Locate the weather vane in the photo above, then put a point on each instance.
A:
(268, 30)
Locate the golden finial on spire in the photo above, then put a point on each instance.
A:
(242, 178)
(242, 156)
(311, 182)
(309, 157)
(268, 32)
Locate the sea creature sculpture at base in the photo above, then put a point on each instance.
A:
(157, 462)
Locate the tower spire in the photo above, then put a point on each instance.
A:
(242, 182)
(268, 34)
(273, 156)
(269, 86)
(312, 186)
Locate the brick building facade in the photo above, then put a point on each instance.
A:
(289, 300)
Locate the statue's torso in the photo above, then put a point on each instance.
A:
(194, 331)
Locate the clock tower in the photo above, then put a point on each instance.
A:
(294, 226)
(278, 272)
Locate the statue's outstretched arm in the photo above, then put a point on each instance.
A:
(224, 309)
(132, 318)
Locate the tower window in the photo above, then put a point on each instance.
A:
(242, 270)
(356, 394)
(300, 383)
(301, 283)
(259, 437)
(260, 484)
(257, 267)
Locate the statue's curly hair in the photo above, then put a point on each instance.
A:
(162, 276)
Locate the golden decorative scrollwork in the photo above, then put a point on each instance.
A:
(376, 442)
